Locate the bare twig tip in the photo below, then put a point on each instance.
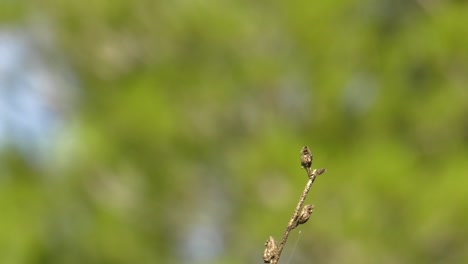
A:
(320, 171)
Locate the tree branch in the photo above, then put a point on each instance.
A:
(272, 251)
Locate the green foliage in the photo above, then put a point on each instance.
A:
(193, 113)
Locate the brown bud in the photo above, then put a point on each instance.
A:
(306, 158)
(270, 254)
(320, 171)
(305, 214)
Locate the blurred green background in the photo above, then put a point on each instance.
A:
(169, 131)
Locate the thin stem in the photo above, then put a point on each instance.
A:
(292, 221)
(272, 251)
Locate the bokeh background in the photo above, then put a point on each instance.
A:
(169, 131)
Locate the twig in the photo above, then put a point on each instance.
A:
(272, 251)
